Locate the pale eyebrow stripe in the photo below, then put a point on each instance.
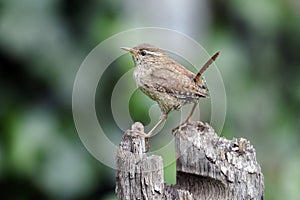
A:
(153, 53)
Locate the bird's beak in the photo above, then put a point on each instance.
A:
(131, 50)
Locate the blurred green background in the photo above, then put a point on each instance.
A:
(43, 43)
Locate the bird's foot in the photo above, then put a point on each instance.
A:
(186, 122)
(139, 133)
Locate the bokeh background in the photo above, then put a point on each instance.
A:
(43, 43)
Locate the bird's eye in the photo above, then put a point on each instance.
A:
(143, 53)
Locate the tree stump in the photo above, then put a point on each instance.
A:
(208, 167)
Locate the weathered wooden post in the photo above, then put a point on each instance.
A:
(208, 167)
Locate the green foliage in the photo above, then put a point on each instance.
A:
(42, 44)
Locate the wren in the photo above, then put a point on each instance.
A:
(166, 81)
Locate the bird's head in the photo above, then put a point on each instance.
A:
(145, 53)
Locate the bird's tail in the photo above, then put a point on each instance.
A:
(205, 66)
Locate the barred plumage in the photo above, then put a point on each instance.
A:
(167, 82)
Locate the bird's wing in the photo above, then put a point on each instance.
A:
(178, 82)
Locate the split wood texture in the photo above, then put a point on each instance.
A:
(208, 167)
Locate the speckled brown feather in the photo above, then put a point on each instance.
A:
(166, 81)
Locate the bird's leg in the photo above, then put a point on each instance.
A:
(147, 135)
(187, 121)
(191, 114)
(161, 119)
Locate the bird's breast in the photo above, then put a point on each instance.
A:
(141, 74)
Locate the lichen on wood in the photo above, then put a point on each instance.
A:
(208, 167)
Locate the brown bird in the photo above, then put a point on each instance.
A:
(166, 81)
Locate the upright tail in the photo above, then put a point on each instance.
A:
(206, 65)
